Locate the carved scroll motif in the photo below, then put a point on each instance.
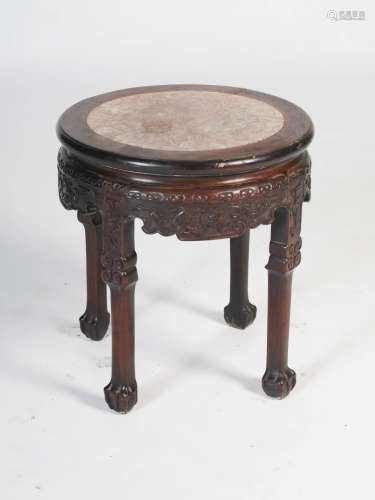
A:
(118, 258)
(191, 215)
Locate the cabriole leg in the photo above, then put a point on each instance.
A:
(239, 313)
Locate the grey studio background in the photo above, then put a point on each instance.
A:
(203, 427)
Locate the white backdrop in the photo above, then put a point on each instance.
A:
(203, 427)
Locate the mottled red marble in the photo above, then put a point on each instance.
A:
(185, 120)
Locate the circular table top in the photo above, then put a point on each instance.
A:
(166, 129)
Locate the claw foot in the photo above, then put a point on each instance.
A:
(278, 384)
(240, 316)
(94, 327)
(120, 398)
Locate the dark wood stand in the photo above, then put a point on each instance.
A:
(197, 197)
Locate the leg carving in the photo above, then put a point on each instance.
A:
(94, 321)
(119, 271)
(239, 313)
(285, 255)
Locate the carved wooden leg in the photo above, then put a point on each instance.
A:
(94, 321)
(239, 313)
(119, 263)
(285, 246)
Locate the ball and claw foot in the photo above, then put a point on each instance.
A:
(278, 384)
(240, 316)
(93, 327)
(120, 398)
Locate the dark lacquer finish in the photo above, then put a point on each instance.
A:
(290, 141)
(239, 313)
(195, 195)
(120, 273)
(285, 255)
(95, 320)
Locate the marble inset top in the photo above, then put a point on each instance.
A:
(185, 120)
